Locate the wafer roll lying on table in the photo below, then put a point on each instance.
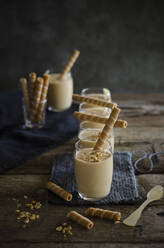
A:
(93, 101)
(80, 219)
(59, 191)
(36, 98)
(87, 117)
(69, 64)
(23, 82)
(103, 214)
(43, 98)
(107, 129)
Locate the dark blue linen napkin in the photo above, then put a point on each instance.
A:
(124, 188)
(17, 145)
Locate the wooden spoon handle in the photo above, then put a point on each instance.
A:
(132, 219)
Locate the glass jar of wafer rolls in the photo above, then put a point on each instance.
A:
(37, 120)
(60, 92)
(93, 171)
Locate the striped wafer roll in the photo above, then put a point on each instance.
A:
(23, 82)
(107, 129)
(69, 64)
(87, 117)
(59, 191)
(103, 214)
(80, 219)
(43, 98)
(121, 124)
(32, 80)
(93, 101)
(36, 98)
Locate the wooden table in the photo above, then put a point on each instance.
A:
(145, 115)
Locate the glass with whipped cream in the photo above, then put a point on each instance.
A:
(93, 172)
(60, 92)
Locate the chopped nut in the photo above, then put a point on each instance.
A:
(69, 227)
(22, 214)
(69, 232)
(26, 220)
(33, 217)
(59, 228)
(117, 222)
(64, 224)
(30, 206)
(38, 205)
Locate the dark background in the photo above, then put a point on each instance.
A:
(121, 42)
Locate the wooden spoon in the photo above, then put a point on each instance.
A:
(153, 195)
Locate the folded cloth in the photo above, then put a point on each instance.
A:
(123, 190)
(17, 145)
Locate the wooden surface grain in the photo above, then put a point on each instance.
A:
(145, 115)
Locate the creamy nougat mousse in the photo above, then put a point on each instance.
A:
(93, 172)
(97, 111)
(60, 92)
(88, 138)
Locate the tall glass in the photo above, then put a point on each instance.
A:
(93, 172)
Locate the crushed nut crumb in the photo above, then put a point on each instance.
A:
(65, 229)
(59, 228)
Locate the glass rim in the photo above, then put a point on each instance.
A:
(96, 89)
(67, 75)
(77, 148)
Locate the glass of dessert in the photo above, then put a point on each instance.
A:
(61, 87)
(93, 171)
(94, 165)
(60, 92)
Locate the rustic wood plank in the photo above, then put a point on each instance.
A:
(146, 182)
(151, 226)
(144, 121)
(153, 98)
(80, 245)
(139, 134)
